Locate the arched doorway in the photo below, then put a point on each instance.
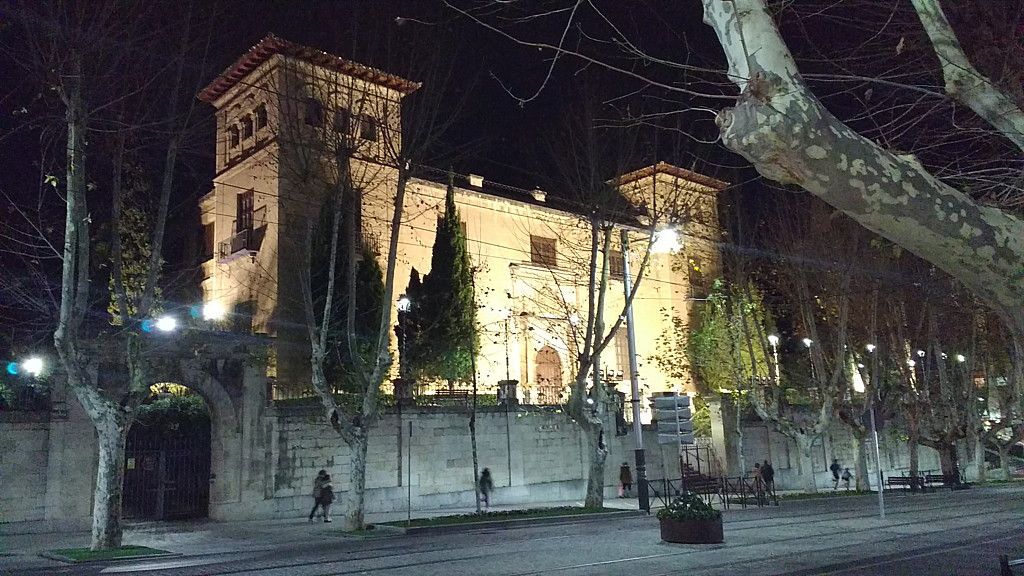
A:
(549, 377)
(167, 457)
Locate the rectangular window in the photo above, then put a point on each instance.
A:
(246, 127)
(621, 354)
(261, 116)
(206, 242)
(542, 251)
(314, 112)
(616, 266)
(233, 137)
(243, 214)
(367, 127)
(342, 121)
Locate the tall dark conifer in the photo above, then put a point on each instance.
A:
(446, 311)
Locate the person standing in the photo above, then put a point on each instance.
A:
(625, 480)
(486, 486)
(836, 469)
(318, 486)
(327, 497)
(768, 475)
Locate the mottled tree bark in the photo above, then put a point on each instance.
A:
(785, 132)
(805, 446)
(112, 435)
(860, 460)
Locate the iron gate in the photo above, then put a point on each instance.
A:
(167, 467)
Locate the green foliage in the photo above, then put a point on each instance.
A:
(442, 319)
(726, 349)
(135, 227)
(174, 415)
(689, 506)
(340, 366)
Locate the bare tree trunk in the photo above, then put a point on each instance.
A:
(597, 454)
(354, 513)
(860, 460)
(948, 459)
(1004, 460)
(106, 510)
(738, 422)
(978, 454)
(805, 445)
(915, 464)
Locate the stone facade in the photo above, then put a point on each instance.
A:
(285, 111)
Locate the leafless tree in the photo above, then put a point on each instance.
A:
(123, 75)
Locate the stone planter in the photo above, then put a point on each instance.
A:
(692, 531)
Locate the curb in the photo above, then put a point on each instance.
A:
(69, 560)
(519, 522)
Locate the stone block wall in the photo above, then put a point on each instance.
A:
(23, 463)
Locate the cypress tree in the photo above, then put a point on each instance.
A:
(445, 313)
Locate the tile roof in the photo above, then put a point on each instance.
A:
(271, 45)
(666, 168)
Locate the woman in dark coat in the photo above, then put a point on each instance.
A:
(486, 486)
(318, 486)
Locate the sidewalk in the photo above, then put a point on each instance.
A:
(207, 537)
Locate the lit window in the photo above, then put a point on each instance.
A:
(261, 116)
(314, 112)
(367, 127)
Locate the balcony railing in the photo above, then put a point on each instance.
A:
(243, 243)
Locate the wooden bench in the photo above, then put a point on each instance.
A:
(452, 395)
(942, 480)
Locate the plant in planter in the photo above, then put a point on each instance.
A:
(690, 520)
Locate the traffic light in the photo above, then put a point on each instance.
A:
(674, 418)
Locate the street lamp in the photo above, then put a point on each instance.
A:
(808, 342)
(403, 304)
(774, 341)
(213, 311)
(33, 366)
(870, 347)
(920, 353)
(961, 358)
(665, 241)
(166, 323)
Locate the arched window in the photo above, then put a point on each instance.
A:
(261, 116)
(233, 136)
(246, 127)
(314, 112)
(367, 127)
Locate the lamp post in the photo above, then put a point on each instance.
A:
(810, 356)
(403, 305)
(634, 380)
(874, 430)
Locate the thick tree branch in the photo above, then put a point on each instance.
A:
(963, 81)
(784, 131)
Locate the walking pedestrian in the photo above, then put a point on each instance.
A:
(836, 469)
(327, 497)
(486, 486)
(846, 478)
(768, 475)
(625, 480)
(318, 487)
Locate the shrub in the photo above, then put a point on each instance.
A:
(689, 506)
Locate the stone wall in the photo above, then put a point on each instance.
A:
(47, 467)
(760, 443)
(534, 456)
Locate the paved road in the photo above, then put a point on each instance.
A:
(940, 534)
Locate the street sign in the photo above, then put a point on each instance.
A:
(674, 418)
(669, 426)
(670, 415)
(673, 439)
(671, 402)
